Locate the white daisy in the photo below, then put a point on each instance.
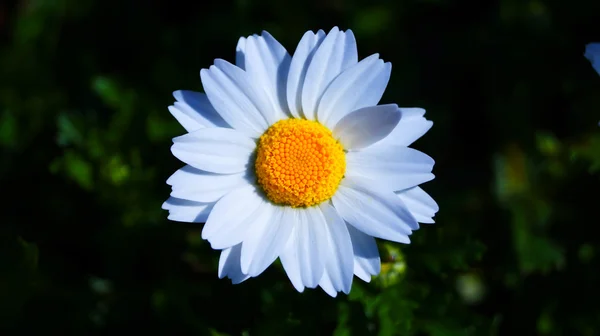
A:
(292, 158)
(592, 53)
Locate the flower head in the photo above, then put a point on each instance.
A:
(592, 53)
(292, 158)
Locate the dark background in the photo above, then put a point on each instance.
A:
(85, 135)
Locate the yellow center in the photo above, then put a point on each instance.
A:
(299, 163)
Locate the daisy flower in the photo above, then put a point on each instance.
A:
(592, 53)
(291, 157)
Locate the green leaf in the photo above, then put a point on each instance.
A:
(108, 90)
(79, 170)
(8, 129)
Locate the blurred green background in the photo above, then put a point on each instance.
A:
(85, 134)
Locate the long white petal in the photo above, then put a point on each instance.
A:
(242, 104)
(216, 150)
(393, 167)
(265, 241)
(182, 210)
(229, 265)
(312, 243)
(592, 53)
(197, 185)
(361, 85)
(300, 61)
(267, 64)
(327, 285)
(231, 216)
(366, 254)
(240, 51)
(376, 212)
(366, 126)
(304, 254)
(412, 126)
(238, 234)
(420, 204)
(289, 256)
(339, 262)
(334, 55)
(194, 111)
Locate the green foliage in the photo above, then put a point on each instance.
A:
(85, 135)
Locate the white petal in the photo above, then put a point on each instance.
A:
(224, 239)
(231, 216)
(240, 50)
(334, 55)
(302, 57)
(267, 64)
(592, 53)
(194, 111)
(375, 212)
(327, 285)
(289, 256)
(393, 167)
(420, 204)
(412, 126)
(216, 150)
(186, 118)
(197, 185)
(229, 264)
(305, 250)
(238, 100)
(339, 262)
(182, 210)
(366, 254)
(361, 85)
(366, 126)
(266, 240)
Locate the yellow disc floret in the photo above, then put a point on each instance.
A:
(299, 163)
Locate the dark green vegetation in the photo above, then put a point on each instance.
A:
(85, 134)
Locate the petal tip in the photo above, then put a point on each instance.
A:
(334, 30)
(265, 33)
(240, 280)
(177, 94)
(204, 73)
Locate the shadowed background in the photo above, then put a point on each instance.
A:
(85, 139)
